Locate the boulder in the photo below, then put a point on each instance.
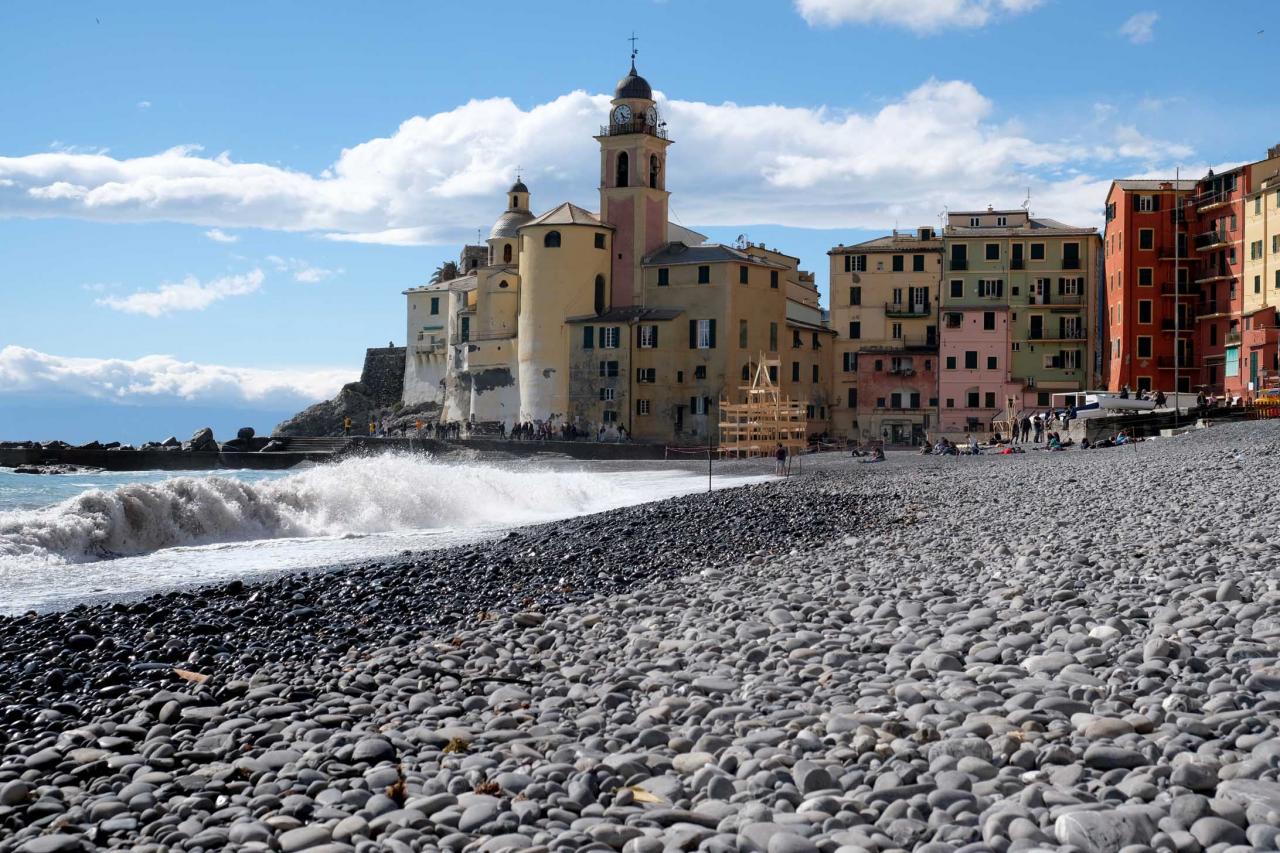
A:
(274, 446)
(203, 440)
(245, 433)
(171, 441)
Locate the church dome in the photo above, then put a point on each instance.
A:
(509, 222)
(633, 86)
(518, 187)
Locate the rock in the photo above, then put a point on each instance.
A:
(1104, 831)
(203, 440)
(304, 837)
(1214, 830)
(245, 433)
(373, 750)
(58, 842)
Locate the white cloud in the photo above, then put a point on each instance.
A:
(920, 16)
(217, 235)
(190, 294)
(302, 270)
(1139, 29)
(438, 178)
(144, 105)
(156, 379)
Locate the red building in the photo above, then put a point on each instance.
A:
(1148, 323)
(1215, 213)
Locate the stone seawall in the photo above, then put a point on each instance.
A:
(383, 374)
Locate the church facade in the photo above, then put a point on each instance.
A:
(617, 319)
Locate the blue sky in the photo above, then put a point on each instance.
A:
(245, 189)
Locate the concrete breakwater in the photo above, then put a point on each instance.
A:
(913, 655)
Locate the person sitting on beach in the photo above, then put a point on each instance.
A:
(1055, 443)
(973, 445)
(1122, 438)
(780, 460)
(1084, 444)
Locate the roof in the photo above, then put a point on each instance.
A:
(461, 284)
(1155, 184)
(568, 214)
(633, 86)
(518, 187)
(628, 314)
(892, 243)
(814, 327)
(708, 253)
(1035, 227)
(509, 223)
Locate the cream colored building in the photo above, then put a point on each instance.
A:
(613, 320)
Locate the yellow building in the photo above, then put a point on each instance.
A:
(1259, 336)
(619, 321)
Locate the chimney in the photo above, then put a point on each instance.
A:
(1273, 151)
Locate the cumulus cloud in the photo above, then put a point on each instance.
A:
(438, 178)
(157, 379)
(920, 16)
(302, 270)
(1140, 28)
(190, 294)
(217, 235)
(144, 105)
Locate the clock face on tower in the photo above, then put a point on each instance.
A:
(651, 116)
(622, 115)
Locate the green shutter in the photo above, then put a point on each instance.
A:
(693, 334)
(712, 333)
(588, 337)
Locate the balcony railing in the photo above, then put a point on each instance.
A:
(902, 371)
(1167, 362)
(1057, 299)
(1071, 263)
(1182, 328)
(1220, 272)
(1231, 339)
(908, 309)
(638, 126)
(473, 337)
(1208, 309)
(1184, 289)
(1211, 240)
(1208, 201)
(1062, 335)
(958, 264)
(895, 345)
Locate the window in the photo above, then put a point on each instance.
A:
(465, 331)
(643, 407)
(506, 253)
(951, 362)
(1275, 244)
(588, 337)
(1146, 276)
(796, 341)
(1146, 239)
(552, 240)
(680, 376)
(698, 405)
(972, 398)
(989, 400)
(855, 263)
(953, 319)
(974, 222)
(654, 168)
(600, 241)
(1001, 221)
(897, 263)
(957, 288)
(815, 373)
(1257, 284)
(623, 172)
(988, 321)
(1277, 279)
(991, 288)
(879, 365)
(959, 256)
(746, 373)
(742, 275)
(880, 402)
(1037, 251)
(435, 305)
(608, 368)
(855, 295)
(742, 334)
(700, 372)
(1144, 310)
(704, 275)
(895, 331)
(991, 362)
(609, 336)
(773, 337)
(971, 360)
(702, 334)
(773, 373)
(895, 400)
(993, 251)
(607, 394)
(850, 363)
(646, 375)
(1144, 203)
(503, 284)
(917, 263)
(648, 337)
(664, 276)
(1016, 346)
(773, 279)
(1144, 346)
(795, 371)
(1255, 250)
(599, 299)
(951, 402)
(855, 329)
(609, 416)
(1043, 398)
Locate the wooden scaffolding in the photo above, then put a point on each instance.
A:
(1007, 423)
(767, 418)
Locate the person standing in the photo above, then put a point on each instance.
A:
(346, 425)
(780, 460)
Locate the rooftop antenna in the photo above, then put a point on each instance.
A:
(1027, 202)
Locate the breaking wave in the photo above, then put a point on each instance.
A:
(353, 497)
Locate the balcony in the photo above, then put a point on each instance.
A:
(1167, 362)
(1068, 335)
(1182, 328)
(1231, 339)
(1168, 253)
(902, 371)
(1217, 273)
(924, 342)
(1184, 289)
(1064, 299)
(1211, 240)
(907, 309)
(958, 264)
(1210, 309)
(1212, 201)
(637, 126)
(1071, 263)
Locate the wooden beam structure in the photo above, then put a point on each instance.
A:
(767, 418)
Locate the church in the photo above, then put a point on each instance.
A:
(617, 320)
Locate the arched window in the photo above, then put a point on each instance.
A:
(515, 202)
(599, 294)
(506, 253)
(552, 240)
(624, 169)
(502, 284)
(653, 171)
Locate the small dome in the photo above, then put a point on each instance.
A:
(509, 222)
(518, 187)
(633, 86)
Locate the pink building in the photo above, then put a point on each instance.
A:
(973, 384)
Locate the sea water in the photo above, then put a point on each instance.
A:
(75, 537)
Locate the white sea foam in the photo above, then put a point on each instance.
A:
(354, 497)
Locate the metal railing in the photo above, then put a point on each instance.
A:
(1057, 299)
(1063, 335)
(1207, 308)
(904, 343)
(1071, 263)
(638, 126)
(1185, 289)
(1231, 339)
(1211, 239)
(1017, 264)
(908, 309)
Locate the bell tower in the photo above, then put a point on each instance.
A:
(633, 181)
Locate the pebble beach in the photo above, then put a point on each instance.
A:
(1074, 651)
